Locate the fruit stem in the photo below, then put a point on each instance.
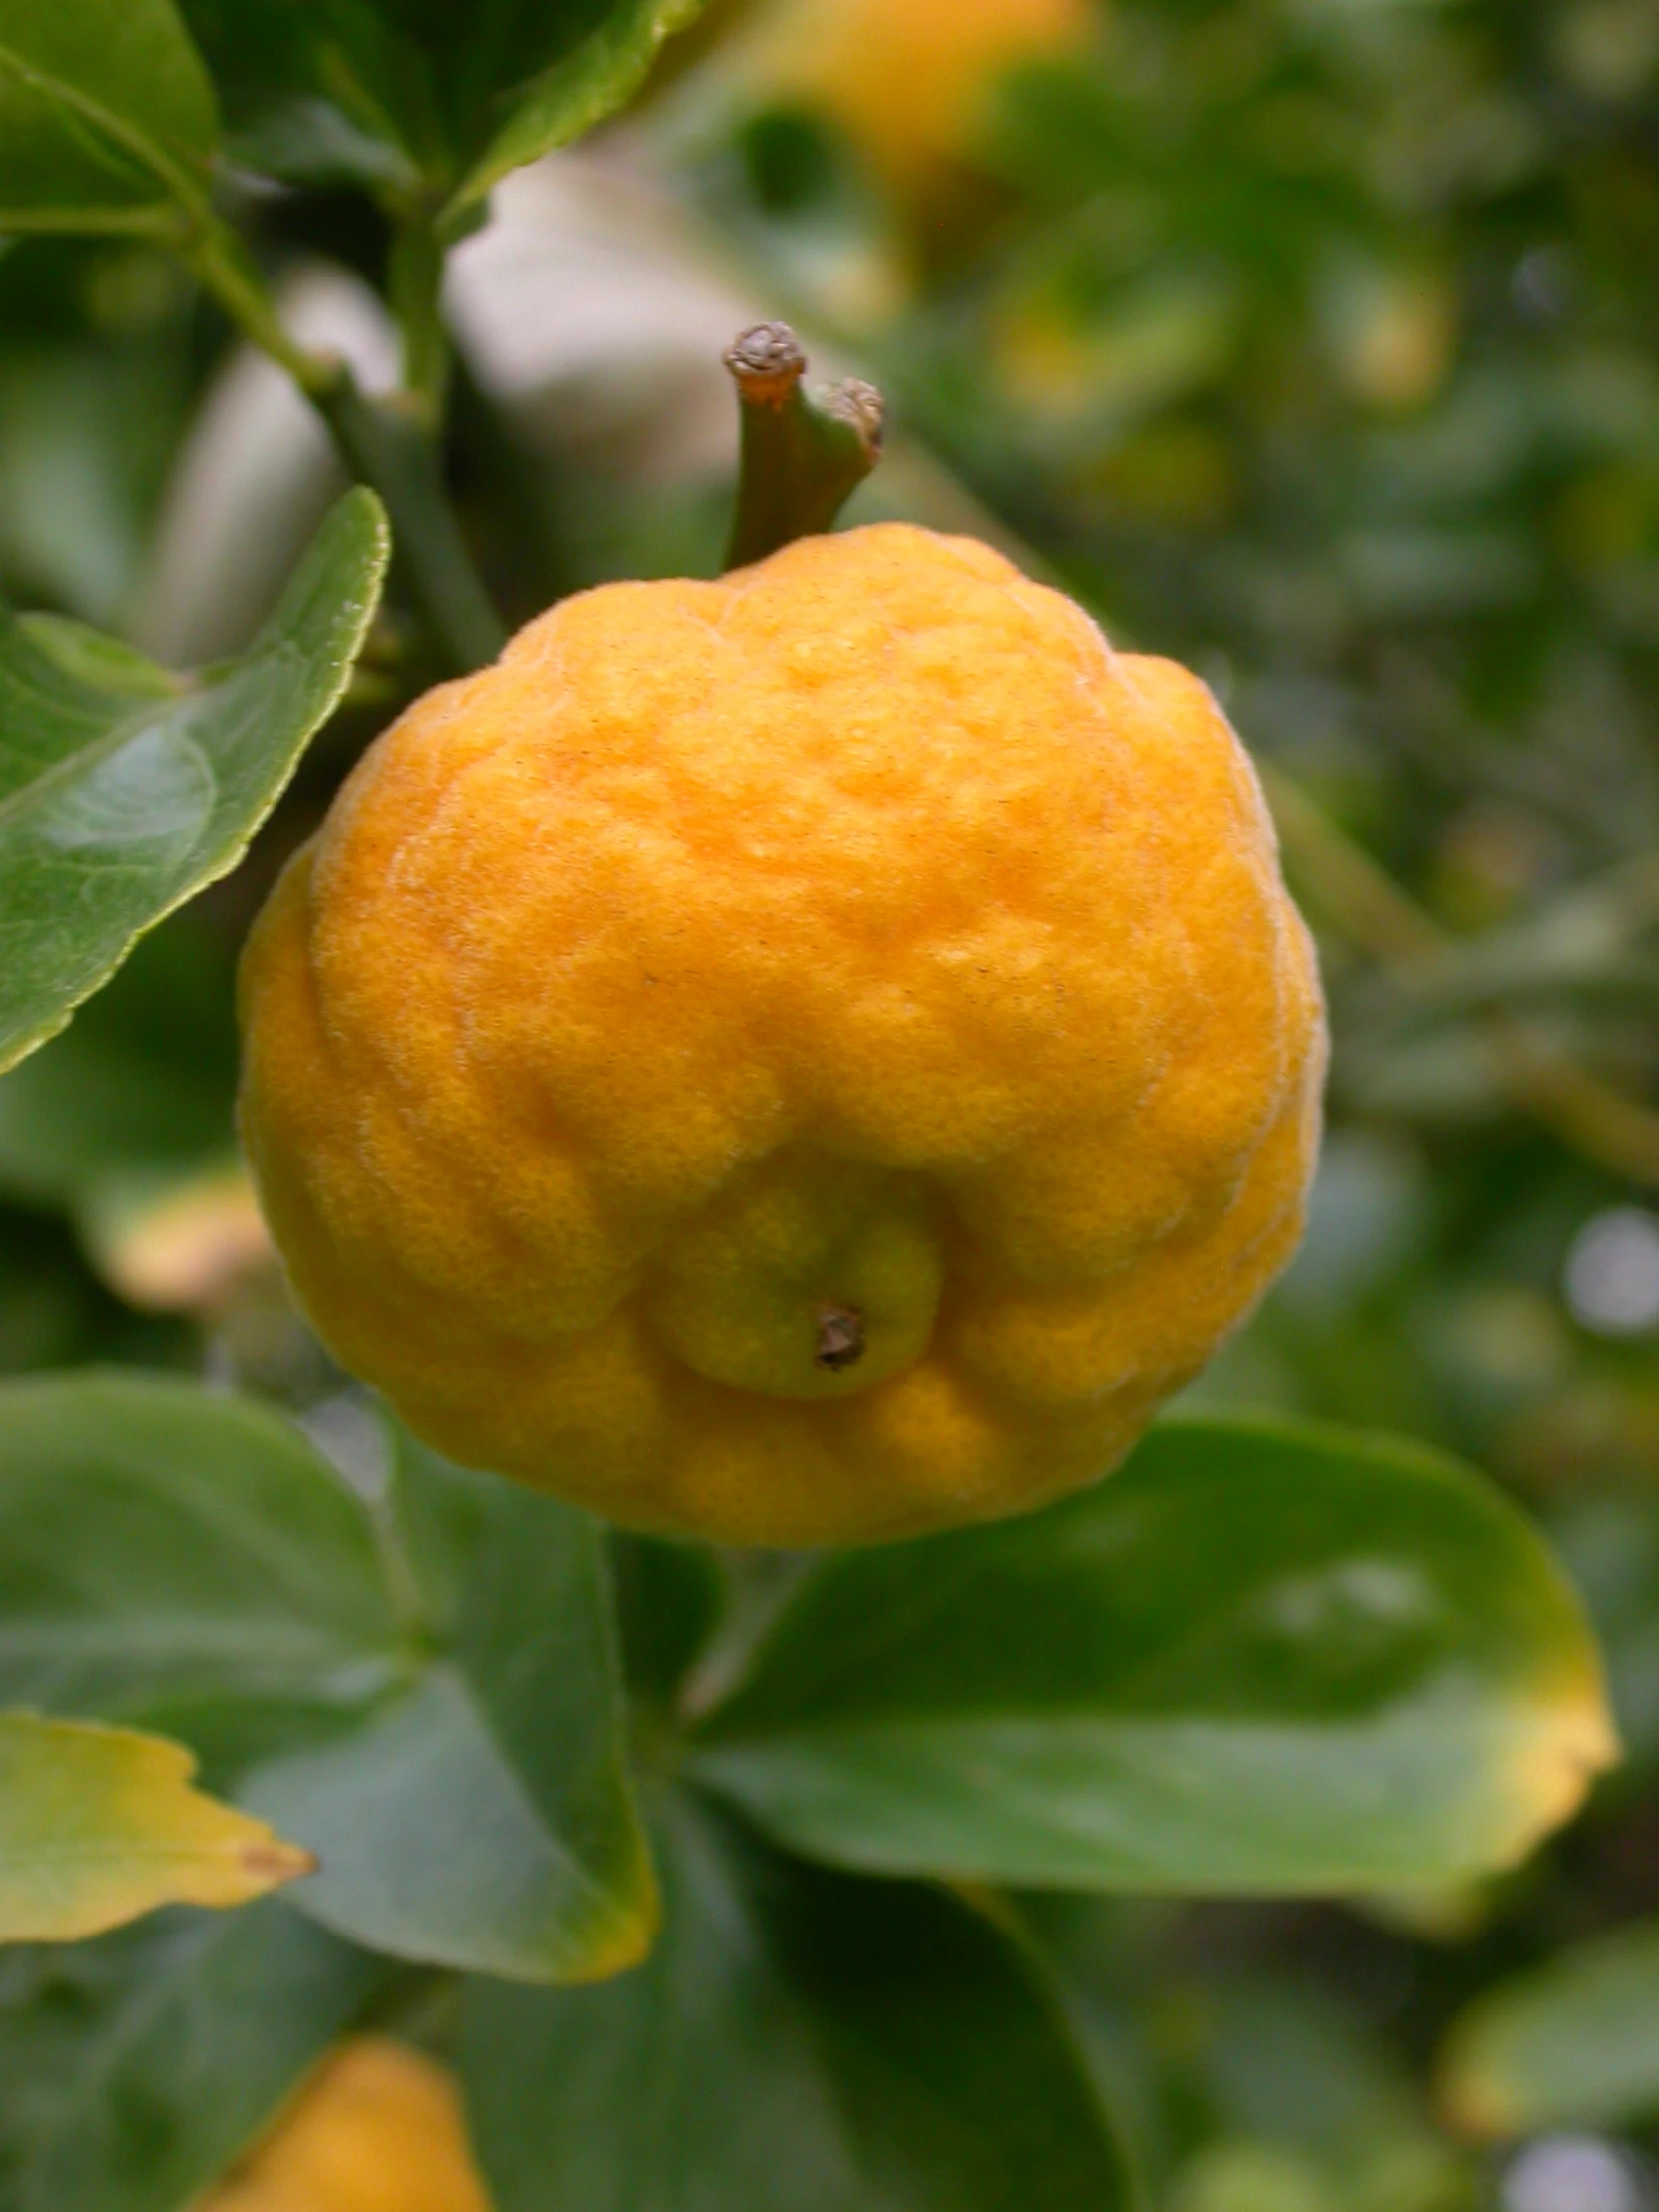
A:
(801, 453)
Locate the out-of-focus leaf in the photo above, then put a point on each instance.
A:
(86, 426)
(1244, 2176)
(139, 2066)
(443, 104)
(322, 93)
(124, 791)
(670, 1598)
(189, 1562)
(596, 60)
(185, 1562)
(142, 1083)
(1611, 1548)
(486, 1820)
(124, 1120)
(1263, 1657)
(105, 114)
(1574, 2045)
(99, 1824)
(800, 2042)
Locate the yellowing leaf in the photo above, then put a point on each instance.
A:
(99, 1824)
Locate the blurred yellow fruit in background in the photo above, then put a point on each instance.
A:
(377, 2129)
(910, 81)
(800, 1059)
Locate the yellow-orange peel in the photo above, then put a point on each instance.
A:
(806, 1058)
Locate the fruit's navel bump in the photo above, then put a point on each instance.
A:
(840, 1338)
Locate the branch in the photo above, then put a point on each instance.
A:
(388, 445)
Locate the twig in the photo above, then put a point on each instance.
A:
(391, 445)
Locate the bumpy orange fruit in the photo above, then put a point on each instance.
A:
(800, 1059)
(377, 2129)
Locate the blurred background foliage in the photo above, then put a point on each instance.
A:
(1311, 341)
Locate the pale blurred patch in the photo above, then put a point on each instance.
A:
(1575, 2173)
(1390, 328)
(1612, 1273)
(178, 1247)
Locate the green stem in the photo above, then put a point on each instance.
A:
(387, 445)
(392, 449)
(414, 283)
(221, 265)
(802, 455)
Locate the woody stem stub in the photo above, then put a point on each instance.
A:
(801, 453)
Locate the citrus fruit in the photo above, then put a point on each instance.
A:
(798, 1059)
(377, 2129)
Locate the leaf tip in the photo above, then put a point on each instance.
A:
(268, 1862)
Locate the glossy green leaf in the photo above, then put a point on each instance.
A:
(105, 114)
(189, 1562)
(486, 1820)
(800, 2042)
(1574, 2045)
(185, 1562)
(124, 791)
(428, 101)
(138, 2067)
(99, 1824)
(586, 80)
(1262, 1657)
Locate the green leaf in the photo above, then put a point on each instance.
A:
(423, 104)
(124, 1121)
(325, 91)
(670, 1598)
(1262, 1657)
(99, 1824)
(486, 1820)
(189, 1562)
(185, 1562)
(107, 116)
(1574, 2045)
(579, 86)
(141, 1083)
(800, 2042)
(138, 2067)
(124, 791)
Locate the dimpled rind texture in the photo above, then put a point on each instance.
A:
(856, 933)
